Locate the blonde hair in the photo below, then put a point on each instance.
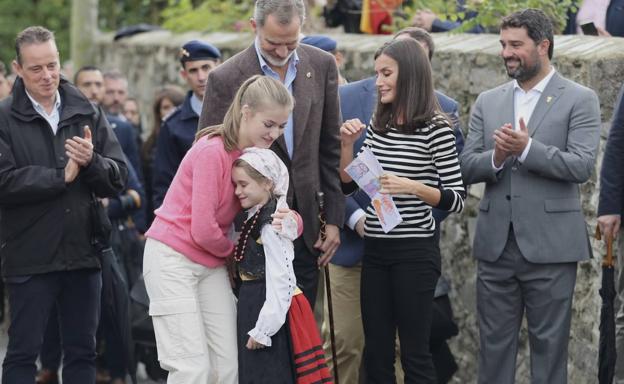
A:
(256, 92)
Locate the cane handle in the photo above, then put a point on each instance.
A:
(608, 260)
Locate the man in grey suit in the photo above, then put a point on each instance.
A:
(310, 145)
(532, 141)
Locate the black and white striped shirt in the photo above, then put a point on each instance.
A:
(427, 156)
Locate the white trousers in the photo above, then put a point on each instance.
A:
(194, 314)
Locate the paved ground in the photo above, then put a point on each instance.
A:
(3, 344)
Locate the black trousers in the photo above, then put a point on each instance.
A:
(51, 352)
(399, 277)
(77, 297)
(113, 356)
(306, 270)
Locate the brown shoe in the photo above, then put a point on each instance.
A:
(102, 376)
(46, 376)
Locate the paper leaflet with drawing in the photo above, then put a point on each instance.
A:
(365, 170)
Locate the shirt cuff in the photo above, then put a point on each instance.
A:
(494, 165)
(355, 217)
(526, 151)
(259, 337)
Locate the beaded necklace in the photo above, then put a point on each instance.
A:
(246, 231)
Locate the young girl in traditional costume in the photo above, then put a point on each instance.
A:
(269, 347)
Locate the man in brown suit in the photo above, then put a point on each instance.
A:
(310, 145)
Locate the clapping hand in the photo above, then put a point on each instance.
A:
(80, 149)
(512, 141)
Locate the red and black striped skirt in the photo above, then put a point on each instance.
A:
(310, 365)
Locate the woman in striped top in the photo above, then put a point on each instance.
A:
(415, 145)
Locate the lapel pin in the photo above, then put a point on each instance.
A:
(549, 99)
(308, 75)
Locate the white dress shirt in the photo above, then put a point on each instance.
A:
(54, 117)
(524, 105)
(355, 217)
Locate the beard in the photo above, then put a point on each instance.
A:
(273, 61)
(523, 72)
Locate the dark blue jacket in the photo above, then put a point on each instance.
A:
(126, 136)
(611, 200)
(127, 139)
(121, 206)
(176, 136)
(358, 100)
(615, 18)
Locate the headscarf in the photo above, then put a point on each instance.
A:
(270, 166)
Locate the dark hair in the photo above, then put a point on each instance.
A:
(415, 103)
(539, 27)
(171, 92)
(31, 35)
(86, 68)
(418, 34)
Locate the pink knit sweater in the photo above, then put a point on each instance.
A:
(200, 206)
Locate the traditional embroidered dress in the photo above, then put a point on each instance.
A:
(263, 302)
(269, 292)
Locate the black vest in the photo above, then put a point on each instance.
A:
(253, 262)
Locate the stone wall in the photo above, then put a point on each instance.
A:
(464, 66)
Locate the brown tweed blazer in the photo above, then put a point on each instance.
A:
(316, 124)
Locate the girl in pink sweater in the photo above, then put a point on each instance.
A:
(191, 301)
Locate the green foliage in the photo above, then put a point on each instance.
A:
(114, 14)
(208, 15)
(490, 12)
(16, 16)
(55, 15)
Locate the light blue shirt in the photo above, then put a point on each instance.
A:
(291, 73)
(196, 104)
(54, 117)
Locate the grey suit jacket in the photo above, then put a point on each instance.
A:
(316, 124)
(540, 196)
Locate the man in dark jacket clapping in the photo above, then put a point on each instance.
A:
(50, 168)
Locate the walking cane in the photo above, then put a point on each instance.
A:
(320, 196)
